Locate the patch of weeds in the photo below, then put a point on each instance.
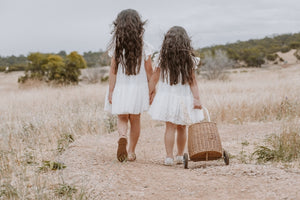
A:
(243, 157)
(265, 113)
(65, 190)
(51, 165)
(231, 156)
(286, 109)
(64, 142)
(82, 195)
(245, 143)
(28, 128)
(8, 191)
(29, 159)
(284, 147)
(104, 79)
(110, 123)
(237, 120)
(3, 161)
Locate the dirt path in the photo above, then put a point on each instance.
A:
(91, 162)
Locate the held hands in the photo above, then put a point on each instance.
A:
(110, 97)
(197, 104)
(151, 96)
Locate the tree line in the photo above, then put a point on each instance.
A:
(255, 52)
(20, 63)
(50, 68)
(252, 52)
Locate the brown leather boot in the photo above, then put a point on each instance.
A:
(122, 152)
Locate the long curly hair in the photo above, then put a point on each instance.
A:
(176, 59)
(128, 41)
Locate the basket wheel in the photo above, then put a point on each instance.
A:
(185, 160)
(226, 157)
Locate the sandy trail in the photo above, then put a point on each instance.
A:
(91, 162)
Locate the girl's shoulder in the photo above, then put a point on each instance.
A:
(156, 61)
(147, 49)
(196, 61)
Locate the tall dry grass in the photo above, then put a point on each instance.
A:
(37, 124)
(254, 95)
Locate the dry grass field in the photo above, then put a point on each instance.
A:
(58, 143)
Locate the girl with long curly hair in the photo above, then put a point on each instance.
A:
(130, 70)
(177, 100)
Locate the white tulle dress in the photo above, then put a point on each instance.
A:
(131, 92)
(174, 103)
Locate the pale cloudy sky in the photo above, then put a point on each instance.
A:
(85, 25)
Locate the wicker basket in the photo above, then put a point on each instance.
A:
(204, 142)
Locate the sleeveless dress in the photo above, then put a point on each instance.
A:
(131, 92)
(174, 103)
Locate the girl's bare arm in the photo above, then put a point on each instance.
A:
(148, 67)
(195, 92)
(112, 79)
(152, 83)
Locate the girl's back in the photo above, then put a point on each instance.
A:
(174, 101)
(128, 90)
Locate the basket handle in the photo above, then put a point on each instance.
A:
(207, 113)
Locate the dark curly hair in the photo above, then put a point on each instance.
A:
(176, 59)
(128, 41)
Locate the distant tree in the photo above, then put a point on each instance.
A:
(53, 68)
(74, 63)
(35, 63)
(297, 54)
(285, 49)
(214, 65)
(253, 57)
(254, 52)
(104, 59)
(94, 59)
(62, 54)
(295, 45)
(272, 57)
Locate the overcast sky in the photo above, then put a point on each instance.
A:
(85, 25)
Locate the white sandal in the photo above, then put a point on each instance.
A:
(169, 161)
(179, 159)
(131, 157)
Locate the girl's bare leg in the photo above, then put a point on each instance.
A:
(135, 129)
(170, 138)
(181, 139)
(123, 125)
(122, 143)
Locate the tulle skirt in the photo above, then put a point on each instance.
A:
(175, 104)
(128, 99)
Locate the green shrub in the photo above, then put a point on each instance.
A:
(51, 165)
(297, 54)
(284, 147)
(54, 68)
(285, 49)
(253, 57)
(110, 122)
(295, 45)
(2, 68)
(8, 191)
(65, 190)
(64, 142)
(272, 57)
